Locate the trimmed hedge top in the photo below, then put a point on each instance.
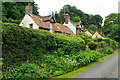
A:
(31, 40)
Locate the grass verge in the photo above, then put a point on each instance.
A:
(83, 68)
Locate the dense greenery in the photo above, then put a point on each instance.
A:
(76, 15)
(108, 50)
(21, 44)
(93, 28)
(34, 53)
(15, 11)
(111, 26)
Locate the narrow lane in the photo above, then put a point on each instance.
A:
(105, 69)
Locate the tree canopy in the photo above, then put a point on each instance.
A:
(16, 10)
(93, 28)
(77, 15)
(111, 26)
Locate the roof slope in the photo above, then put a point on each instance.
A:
(63, 28)
(58, 27)
(102, 35)
(46, 18)
(39, 21)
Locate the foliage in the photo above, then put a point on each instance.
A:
(93, 45)
(76, 15)
(114, 32)
(16, 10)
(108, 41)
(87, 56)
(108, 50)
(21, 44)
(111, 19)
(111, 26)
(26, 71)
(103, 44)
(46, 54)
(93, 28)
(97, 39)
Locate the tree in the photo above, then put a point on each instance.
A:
(16, 10)
(114, 32)
(110, 20)
(77, 15)
(111, 26)
(75, 19)
(93, 28)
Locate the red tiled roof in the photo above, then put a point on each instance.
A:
(76, 23)
(63, 28)
(58, 27)
(39, 21)
(102, 35)
(45, 18)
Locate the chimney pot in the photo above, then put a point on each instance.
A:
(28, 9)
(91, 31)
(67, 18)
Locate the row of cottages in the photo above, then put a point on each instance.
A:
(96, 34)
(49, 23)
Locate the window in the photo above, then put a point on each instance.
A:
(51, 27)
(96, 35)
(31, 25)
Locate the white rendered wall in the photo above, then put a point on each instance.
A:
(71, 27)
(27, 20)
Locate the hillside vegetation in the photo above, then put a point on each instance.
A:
(34, 53)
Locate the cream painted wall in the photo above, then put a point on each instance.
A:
(97, 34)
(28, 20)
(71, 27)
(88, 33)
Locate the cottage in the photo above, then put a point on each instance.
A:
(75, 27)
(47, 23)
(100, 35)
(89, 33)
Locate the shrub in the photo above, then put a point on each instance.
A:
(26, 71)
(108, 50)
(108, 41)
(87, 56)
(97, 39)
(103, 44)
(84, 38)
(93, 45)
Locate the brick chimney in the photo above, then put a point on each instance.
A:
(82, 29)
(100, 31)
(77, 30)
(91, 31)
(67, 18)
(28, 9)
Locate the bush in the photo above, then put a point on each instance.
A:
(26, 71)
(108, 50)
(97, 39)
(84, 38)
(108, 41)
(87, 56)
(93, 45)
(103, 44)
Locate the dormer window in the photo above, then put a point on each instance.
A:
(31, 25)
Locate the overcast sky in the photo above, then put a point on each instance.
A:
(101, 7)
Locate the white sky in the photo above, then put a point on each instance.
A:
(101, 7)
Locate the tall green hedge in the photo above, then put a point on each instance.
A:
(21, 42)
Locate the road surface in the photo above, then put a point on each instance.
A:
(105, 69)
